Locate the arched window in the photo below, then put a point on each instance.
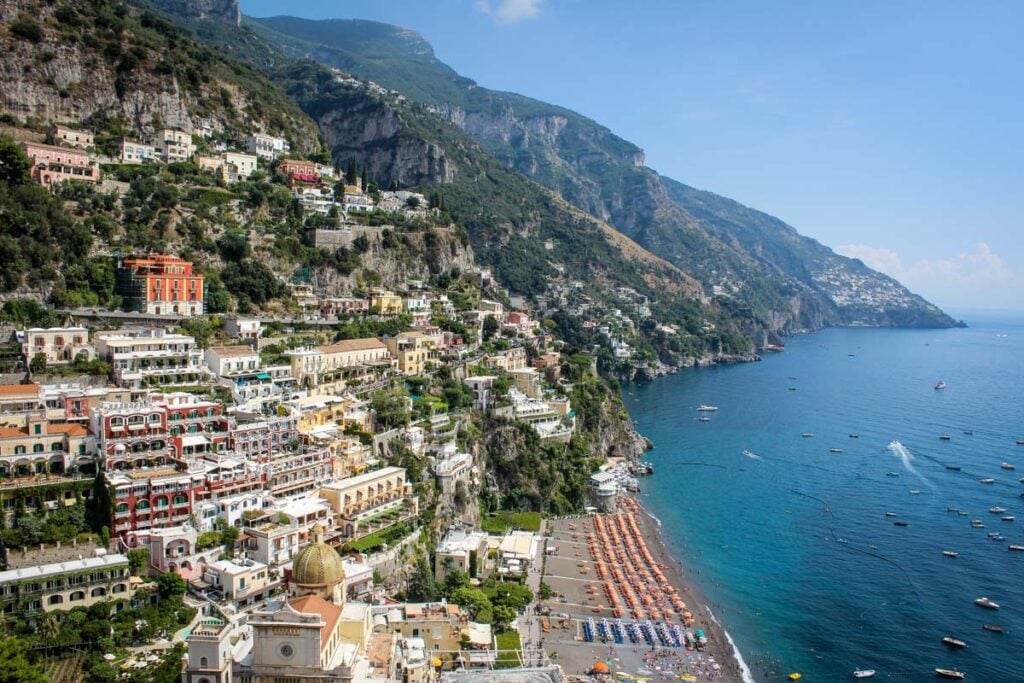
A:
(154, 418)
(142, 505)
(118, 588)
(121, 507)
(19, 450)
(204, 662)
(55, 599)
(77, 595)
(180, 500)
(99, 592)
(37, 448)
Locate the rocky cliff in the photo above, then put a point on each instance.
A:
(131, 71)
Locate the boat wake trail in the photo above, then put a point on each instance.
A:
(748, 677)
(907, 458)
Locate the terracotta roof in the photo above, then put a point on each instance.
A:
(6, 432)
(68, 428)
(347, 345)
(329, 612)
(19, 389)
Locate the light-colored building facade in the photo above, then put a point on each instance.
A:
(52, 165)
(59, 345)
(357, 501)
(66, 585)
(338, 363)
(73, 137)
(151, 355)
(133, 152)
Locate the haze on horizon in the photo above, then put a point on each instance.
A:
(888, 131)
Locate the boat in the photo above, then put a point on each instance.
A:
(987, 603)
(997, 537)
(807, 435)
(977, 524)
(703, 418)
(854, 436)
(997, 510)
(992, 627)
(1007, 518)
(954, 642)
(890, 514)
(892, 474)
(707, 409)
(940, 385)
(1020, 442)
(952, 509)
(963, 513)
(968, 432)
(795, 676)
(1008, 466)
(950, 673)
(864, 673)
(790, 388)
(944, 437)
(1018, 548)
(953, 468)
(901, 523)
(835, 450)
(987, 480)
(950, 553)
(914, 492)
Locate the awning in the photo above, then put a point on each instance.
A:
(194, 440)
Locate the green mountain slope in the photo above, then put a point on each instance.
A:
(757, 264)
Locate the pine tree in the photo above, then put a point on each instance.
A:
(352, 175)
(101, 505)
(364, 182)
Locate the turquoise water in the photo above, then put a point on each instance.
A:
(794, 549)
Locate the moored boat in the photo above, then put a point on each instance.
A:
(950, 553)
(987, 480)
(915, 492)
(854, 436)
(1019, 548)
(940, 385)
(864, 673)
(992, 627)
(892, 474)
(1008, 466)
(944, 437)
(950, 673)
(954, 642)
(703, 418)
(807, 435)
(954, 468)
(901, 523)
(890, 514)
(835, 450)
(997, 510)
(1007, 518)
(1020, 442)
(707, 409)
(986, 603)
(977, 524)
(952, 509)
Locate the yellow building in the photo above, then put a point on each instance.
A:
(358, 502)
(415, 351)
(65, 585)
(42, 447)
(385, 302)
(337, 365)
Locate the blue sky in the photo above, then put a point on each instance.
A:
(889, 130)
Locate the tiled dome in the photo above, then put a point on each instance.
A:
(318, 564)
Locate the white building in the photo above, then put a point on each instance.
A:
(266, 146)
(151, 354)
(225, 361)
(175, 145)
(241, 582)
(132, 152)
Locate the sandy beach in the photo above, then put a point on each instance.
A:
(573, 574)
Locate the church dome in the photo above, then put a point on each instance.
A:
(318, 564)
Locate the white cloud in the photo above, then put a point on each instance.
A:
(978, 277)
(510, 11)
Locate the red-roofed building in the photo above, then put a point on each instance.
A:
(160, 284)
(299, 173)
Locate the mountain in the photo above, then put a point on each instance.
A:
(128, 71)
(755, 264)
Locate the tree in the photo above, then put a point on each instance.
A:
(14, 165)
(228, 536)
(544, 591)
(491, 327)
(392, 408)
(503, 616)
(16, 666)
(422, 586)
(38, 363)
(473, 600)
(363, 181)
(352, 174)
(138, 558)
(413, 202)
(170, 585)
(454, 580)
(101, 506)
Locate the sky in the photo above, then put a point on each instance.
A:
(890, 130)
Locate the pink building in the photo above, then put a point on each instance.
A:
(52, 165)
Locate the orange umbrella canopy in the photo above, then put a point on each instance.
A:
(600, 668)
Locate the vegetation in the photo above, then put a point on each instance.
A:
(500, 522)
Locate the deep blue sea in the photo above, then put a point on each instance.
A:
(793, 547)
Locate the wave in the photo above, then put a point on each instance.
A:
(745, 673)
(907, 458)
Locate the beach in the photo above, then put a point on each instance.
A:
(660, 586)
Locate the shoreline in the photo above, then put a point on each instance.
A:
(734, 668)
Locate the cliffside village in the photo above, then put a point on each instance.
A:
(278, 440)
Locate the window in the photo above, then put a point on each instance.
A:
(38, 448)
(18, 450)
(204, 662)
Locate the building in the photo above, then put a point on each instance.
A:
(42, 447)
(359, 501)
(299, 173)
(59, 345)
(266, 146)
(195, 426)
(65, 585)
(230, 167)
(243, 582)
(19, 399)
(174, 145)
(225, 361)
(341, 362)
(73, 137)
(158, 497)
(385, 302)
(173, 549)
(481, 386)
(132, 152)
(516, 552)
(151, 356)
(131, 435)
(415, 351)
(463, 549)
(52, 165)
(160, 284)
(509, 360)
(243, 328)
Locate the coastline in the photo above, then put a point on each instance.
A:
(734, 668)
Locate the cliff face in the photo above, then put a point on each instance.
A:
(760, 267)
(132, 71)
(223, 11)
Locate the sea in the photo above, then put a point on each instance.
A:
(790, 542)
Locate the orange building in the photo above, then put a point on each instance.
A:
(52, 165)
(160, 284)
(300, 173)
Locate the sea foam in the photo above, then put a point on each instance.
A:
(745, 672)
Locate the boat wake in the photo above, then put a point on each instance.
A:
(907, 458)
(752, 455)
(745, 672)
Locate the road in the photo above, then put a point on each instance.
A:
(529, 624)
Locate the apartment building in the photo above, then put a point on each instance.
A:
(65, 585)
(52, 165)
(151, 356)
(159, 284)
(58, 345)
